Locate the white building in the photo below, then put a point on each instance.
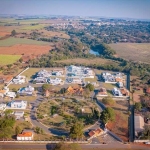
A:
(2, 107)
(19, 114)
(54, 81)
(39, 80)
(116, 92)
(79, 71)
(120, 84)
(44, 73)
(25, 136)
(11, 94)
(26, 90)
(17, 104)
(19, 80)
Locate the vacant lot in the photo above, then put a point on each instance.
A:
(13, 41)
(54, 34)
(25, 49)
(133, 51)
(9, 59)
(88, 61)
(120, 124)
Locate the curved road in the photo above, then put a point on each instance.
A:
(53, 131)
(35, 122)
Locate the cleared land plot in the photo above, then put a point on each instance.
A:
(120, 125)
(26, 49)
(88, 61)
(8, 59)
(26, 98)
(13, 41)
(4, 33)
(133, 51)
(54, 34)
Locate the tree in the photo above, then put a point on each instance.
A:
(90, 87)
(45, 87)
(107, 114)
(21, 60)
(138, 106)
(108, 101)
(17, 130)
(76, 131)
(13, 33)
(38, 130)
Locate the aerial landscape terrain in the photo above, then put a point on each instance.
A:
(71, 82)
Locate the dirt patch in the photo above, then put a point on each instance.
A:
(28, 52)
(4, 33)
(119, 126)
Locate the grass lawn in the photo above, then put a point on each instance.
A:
(91, 79)
(26, 98)
(108, 86)
(88, 61)
(30, 72)
(23, 124)
(33, 27)
(18, 86)
(13, 41)
(133, 51)
(9, 59)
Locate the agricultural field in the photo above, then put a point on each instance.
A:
(133, 51)
(88, 61)
(8, 59)
(13, 41)
(33, 27)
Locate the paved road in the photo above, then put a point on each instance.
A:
(131, 127)
(48, 146)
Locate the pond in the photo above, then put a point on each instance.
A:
(93, 52)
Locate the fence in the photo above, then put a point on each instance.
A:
(13, 141)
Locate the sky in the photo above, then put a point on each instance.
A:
(138, 9)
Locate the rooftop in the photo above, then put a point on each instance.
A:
(139, 122)
(25, 134)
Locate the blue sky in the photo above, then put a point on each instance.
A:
(107, 8)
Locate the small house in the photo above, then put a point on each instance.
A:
(116, 92)
(25, 135)
(18, 104)
(2, 107)
(95, 133)
(26, 90)
(102, 92)
(120, 84)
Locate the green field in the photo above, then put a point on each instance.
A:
(13, 41)
(32, 27)
(9, 59)
(88, 61)
(133, 51)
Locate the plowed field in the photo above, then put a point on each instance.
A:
(27, 50)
